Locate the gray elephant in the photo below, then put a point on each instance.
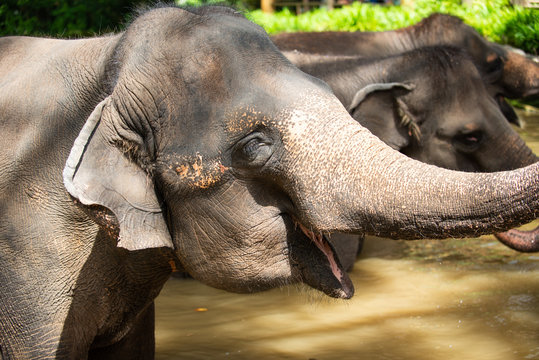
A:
(506, 73)
(430, 104)
(189, 139)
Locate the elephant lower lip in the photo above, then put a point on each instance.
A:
(317, 239)
(345, 288)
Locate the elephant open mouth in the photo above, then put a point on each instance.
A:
(327, 274)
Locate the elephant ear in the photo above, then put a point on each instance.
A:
(379, 109)
(365, 91)
(98, 173)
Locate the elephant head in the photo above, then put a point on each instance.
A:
(211, 143)
(431, 105)
(506, 72)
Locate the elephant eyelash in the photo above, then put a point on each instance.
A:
(251, 148)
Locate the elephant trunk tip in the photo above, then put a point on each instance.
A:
(520, 240)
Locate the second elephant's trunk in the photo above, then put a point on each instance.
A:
(520, 240)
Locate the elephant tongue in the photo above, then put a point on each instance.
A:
(339, 285)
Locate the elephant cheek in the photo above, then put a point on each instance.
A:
(241, 269)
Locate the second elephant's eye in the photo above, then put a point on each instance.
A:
(468, 141)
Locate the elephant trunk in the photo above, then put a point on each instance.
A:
(514, 153)
(520, 240)
(519, 155)
(416, 200)
(518, 66)
(368, 187)
(430, 202)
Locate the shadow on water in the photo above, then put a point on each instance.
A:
(449, 299)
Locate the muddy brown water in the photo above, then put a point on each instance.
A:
(452, 299)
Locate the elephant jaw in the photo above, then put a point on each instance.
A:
(336, 282)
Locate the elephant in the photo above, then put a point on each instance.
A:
(189, 141)
(507, 73)
(430, 104)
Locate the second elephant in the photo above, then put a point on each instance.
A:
(430, 104)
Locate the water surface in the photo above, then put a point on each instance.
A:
(452, 299)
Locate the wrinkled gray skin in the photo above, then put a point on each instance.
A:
(505, 72)
(430, 104)
(190, 136)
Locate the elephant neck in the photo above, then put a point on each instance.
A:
(91, 70)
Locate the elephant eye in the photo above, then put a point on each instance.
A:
(253, 150)
(468, 141)
(250, 150)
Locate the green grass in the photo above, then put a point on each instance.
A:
(497, 20)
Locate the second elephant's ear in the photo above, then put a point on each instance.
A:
(98, 173)
(378, 108)
(368, 89)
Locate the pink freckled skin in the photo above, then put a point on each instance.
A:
(326, 250)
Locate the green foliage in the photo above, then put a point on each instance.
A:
(242, 5)
(522, 31)
(63, 18)
(497, 20)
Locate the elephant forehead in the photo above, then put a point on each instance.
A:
(246, 119)
(207, 71)
(273, 103)
(314, 118)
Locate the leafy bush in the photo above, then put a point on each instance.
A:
(63, 18)
(497, 20)
(522, 31)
